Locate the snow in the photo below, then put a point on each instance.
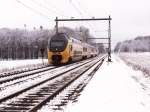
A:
(138, 60)
(113, 89)
(10, 87)
(73, 89)
(116, 87)
(13, 64)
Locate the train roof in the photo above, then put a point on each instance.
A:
(74, 39)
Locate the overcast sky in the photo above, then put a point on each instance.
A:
(130, 18)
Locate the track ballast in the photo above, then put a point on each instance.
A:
(33, 97)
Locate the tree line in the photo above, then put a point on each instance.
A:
(139, 44)
(27, 44)
(22, 44)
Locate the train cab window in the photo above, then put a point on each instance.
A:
(57, 43)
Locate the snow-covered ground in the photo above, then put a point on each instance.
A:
(114, 88)
(18, 64)
(139, 61)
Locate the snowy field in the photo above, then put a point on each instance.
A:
(113, 89)
(116, 87)
(19, 64)
(140, 61)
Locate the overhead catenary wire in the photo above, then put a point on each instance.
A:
(53, 6)
(82, 8)
(74, 6)
(46, 8)
(79, 4)
(88, 13)
(79, 10)
(33, 10)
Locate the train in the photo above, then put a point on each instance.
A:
(63, 49)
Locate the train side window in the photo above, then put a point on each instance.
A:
(71, 47)
(84, 49)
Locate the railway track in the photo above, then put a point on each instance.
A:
(19, 71)
(32, 97)
(10, 76)
(12, 81)
(71, 93)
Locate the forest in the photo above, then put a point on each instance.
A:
(28, 44)
(139, 44)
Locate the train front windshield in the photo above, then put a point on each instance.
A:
(58, 43)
